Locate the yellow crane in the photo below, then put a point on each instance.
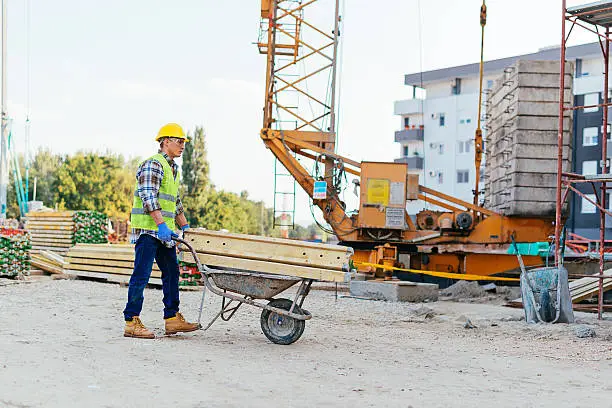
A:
(302, 62)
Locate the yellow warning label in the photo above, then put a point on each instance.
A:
(378, 191)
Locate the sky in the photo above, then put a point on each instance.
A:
(105, 75)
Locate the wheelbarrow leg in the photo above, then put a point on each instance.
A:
(301, 294)
(201, 305)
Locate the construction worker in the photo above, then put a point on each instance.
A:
(156, 213)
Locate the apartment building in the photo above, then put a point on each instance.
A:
(437, 125)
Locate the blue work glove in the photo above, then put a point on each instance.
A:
(164, 233)
(184, 227)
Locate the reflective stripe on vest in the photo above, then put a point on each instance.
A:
(168, 191)
(160, 196)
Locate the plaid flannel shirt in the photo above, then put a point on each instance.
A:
(149, 176)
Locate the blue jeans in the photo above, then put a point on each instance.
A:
(149, 248)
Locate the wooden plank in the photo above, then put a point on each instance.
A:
(49, 231)
(59, 214)
(107, 269)
(49, 220)
(51, 244)
(50, 248)
(270, 267)
(124, 279)
(267, 249)
(45, 266)
(101, 255)
(49, 227)
(59, 236)
(53, 257)
(38, 224)
(53, 234)
(590, 289)
(105, 246)
(51, 239)
(105, 262)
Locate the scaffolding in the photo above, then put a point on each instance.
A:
(597, 19)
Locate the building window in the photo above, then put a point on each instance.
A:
(589, 136)
(589, 167)
(464, 146)
(591, 99)
(441, 119)
(489, 83)
(405, 151)
(588, 207)
(468, 120)
(456, 86)
(462, 121)
(441, 148)
(578, 67)
(440, 177)
(463, 176)
(406, 123)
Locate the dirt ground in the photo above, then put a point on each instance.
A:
(61, 345)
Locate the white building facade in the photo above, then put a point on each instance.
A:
(437, 126)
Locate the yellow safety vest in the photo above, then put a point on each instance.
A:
(167, 199)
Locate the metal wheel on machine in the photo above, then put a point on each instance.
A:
(282, 329)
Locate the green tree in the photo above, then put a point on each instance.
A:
(224, 210)
(89, 181)
(196, 185)
(260, 218)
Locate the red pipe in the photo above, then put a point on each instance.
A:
(560, 137)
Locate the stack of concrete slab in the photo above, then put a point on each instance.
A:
(521, 138)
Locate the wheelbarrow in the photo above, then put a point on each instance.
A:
(282, 320)
(545, 292)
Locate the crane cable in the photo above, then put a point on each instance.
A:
(478, 136)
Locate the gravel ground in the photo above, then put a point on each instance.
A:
(61, 345)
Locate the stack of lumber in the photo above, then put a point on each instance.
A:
(580, 289)
(269, 255)
(585, 288)
(521, 140)
(49, 261)
(51, 231)
(14, 252)
(58, 231)
(113, 262)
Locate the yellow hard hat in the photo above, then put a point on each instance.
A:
(171, 130)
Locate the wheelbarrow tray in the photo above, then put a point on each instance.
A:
(253, 284)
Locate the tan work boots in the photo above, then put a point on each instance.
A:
(136, 329)
(178, 324)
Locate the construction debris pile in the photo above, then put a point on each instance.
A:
(14, 252)
(58, 231)
(521, 140)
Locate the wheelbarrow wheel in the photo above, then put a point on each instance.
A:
(282, 329)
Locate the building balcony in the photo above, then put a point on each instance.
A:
(409, 135)
(408, 107)
(413, 162)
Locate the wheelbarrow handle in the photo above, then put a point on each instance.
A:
(201, 267)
